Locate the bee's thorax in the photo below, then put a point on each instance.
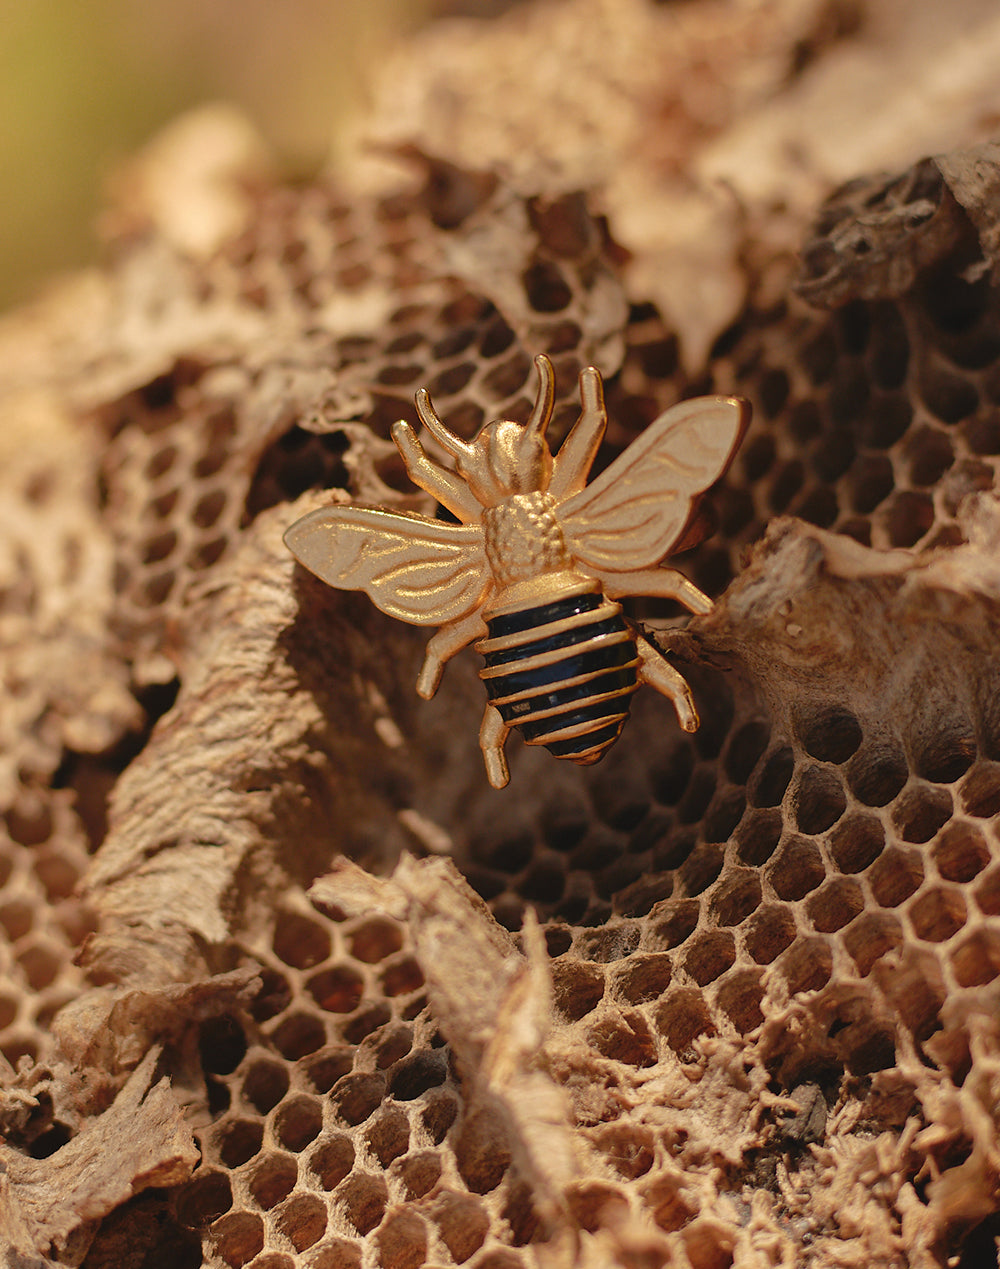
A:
(524, 538)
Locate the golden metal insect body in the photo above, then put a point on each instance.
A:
(534, 568)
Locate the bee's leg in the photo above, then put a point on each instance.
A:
(441, 647)
(662, 583)
(577, 452)
(450, 490)
(659, 673)
(493, 735)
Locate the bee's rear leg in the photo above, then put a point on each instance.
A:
(492, 737)
(659, 673)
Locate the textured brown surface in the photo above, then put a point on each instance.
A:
(283, 982)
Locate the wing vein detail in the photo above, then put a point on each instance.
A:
(419, 570)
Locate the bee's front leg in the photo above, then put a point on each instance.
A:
(442, 646)
(492, 737)
(659, 673)
(440, 483)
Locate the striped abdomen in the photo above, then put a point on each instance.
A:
(563, 673)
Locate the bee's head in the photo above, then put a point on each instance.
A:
(506, 457)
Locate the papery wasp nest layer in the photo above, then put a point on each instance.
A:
(283, 982)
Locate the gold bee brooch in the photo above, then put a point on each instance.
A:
(534, 567)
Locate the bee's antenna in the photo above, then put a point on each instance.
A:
(542, 409)
(428, 416)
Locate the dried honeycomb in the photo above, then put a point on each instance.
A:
(43, 857)
(66, 701)
(177, 491)
(875, 420)
(725, 999)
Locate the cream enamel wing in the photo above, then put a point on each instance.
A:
(532, 572)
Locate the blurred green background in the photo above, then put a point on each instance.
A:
(85, 82)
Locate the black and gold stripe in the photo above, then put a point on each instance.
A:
(563, 673)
